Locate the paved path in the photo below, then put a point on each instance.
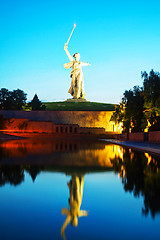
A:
(145, 147)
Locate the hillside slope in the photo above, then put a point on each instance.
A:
(79, 106)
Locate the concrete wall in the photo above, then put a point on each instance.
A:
(19, 124)
(138, 137)
(135, 137)
(154, 137)
(65, 128)
(13, 124)
(25, 126)
(92, 130)
(122, 137)
(40, 126)
(98, 119)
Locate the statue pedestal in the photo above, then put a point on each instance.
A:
(76, 100)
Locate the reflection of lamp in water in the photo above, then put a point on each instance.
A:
(76, 193)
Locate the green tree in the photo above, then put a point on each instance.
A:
(119, 113)
(151, 92)
(131, 111)
(19, 98)
(12, 100)
(36, 104)
(4, 95)
(134, 109)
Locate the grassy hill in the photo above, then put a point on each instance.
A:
(79, 106)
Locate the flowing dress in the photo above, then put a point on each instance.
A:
(77, 82)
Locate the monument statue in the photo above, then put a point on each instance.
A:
(77, 82)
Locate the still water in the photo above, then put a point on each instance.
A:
(77, 190)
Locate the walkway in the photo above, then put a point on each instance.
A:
(145, 147)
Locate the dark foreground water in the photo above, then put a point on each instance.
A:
(76, 190)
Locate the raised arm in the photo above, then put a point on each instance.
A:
(85, 64)
(83, 213)
(67, 221)
(67, 52)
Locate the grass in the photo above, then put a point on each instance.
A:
(79, 106)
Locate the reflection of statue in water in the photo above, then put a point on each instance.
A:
(76, 193)
(77, 83)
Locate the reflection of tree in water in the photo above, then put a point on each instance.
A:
(34, 171)
(1, 153)
(140, 174)
(14, 175)
(134, 164)
(76, 193)
(11, 174)
(152, 187)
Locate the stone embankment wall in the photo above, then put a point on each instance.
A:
(91, 119)
(23, 125)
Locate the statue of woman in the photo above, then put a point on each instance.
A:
(77, 82)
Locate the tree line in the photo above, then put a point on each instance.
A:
(140, 107)
(16, 100)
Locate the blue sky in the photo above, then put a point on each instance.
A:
(119, 39)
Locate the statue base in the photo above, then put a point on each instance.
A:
(76, 100)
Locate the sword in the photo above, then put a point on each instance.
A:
(70, 34)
